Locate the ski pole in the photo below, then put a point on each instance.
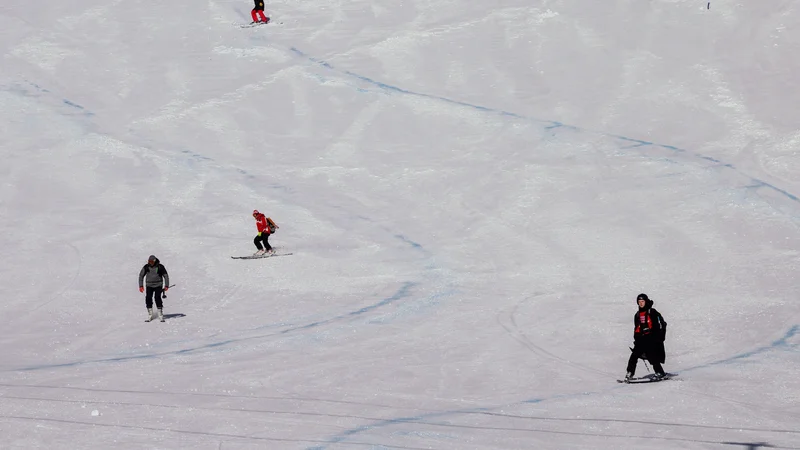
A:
(164, 294)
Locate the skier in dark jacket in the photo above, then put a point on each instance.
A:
(258, 12)
(649, 332)
(155, 277)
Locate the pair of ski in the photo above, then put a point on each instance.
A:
(255, 24)
(265, 255)
(646, 379)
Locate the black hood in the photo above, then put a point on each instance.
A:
(647, 302)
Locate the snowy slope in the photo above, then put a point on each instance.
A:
(473, 193)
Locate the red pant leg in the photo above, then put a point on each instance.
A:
(263, 17)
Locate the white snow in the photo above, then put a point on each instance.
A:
(473, 192)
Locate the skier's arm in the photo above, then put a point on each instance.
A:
(166, 278)
(141, 277)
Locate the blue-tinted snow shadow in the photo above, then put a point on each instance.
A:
(404, 292)
(784, 343)
(624, 142)
(64, 106)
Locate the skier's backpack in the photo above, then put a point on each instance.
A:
(271, 225)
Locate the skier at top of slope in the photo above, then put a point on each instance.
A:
(649, 333)
(258, 12)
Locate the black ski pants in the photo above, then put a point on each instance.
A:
(263, 238)
(148, 296)
(644, 348)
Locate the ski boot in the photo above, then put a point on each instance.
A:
(628, 377)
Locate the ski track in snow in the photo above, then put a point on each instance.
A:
(783, 344)
(403, 293)
(31, 89)
(193, 159)
(624, 142)
(71, 109)
(646, 149)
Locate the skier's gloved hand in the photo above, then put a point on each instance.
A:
(259, 233)
(166, 288)
(141, 289)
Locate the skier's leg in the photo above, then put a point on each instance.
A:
(654, 356)
(265, 238)
(157, 291)
(253, 15)
(159, 304)
(148, 297)
(148, 300)
(263, 17)
(656, 364)
(257, 241)
(631, 369)
(636, 353)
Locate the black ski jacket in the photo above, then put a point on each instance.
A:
(649, 332)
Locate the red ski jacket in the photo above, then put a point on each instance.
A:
(261, 224)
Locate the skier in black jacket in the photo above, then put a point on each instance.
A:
(649, 333)
(258, 12)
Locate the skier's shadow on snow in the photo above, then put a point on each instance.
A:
(174, 316)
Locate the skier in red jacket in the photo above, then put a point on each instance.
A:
(258, 12)
(263, 225)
